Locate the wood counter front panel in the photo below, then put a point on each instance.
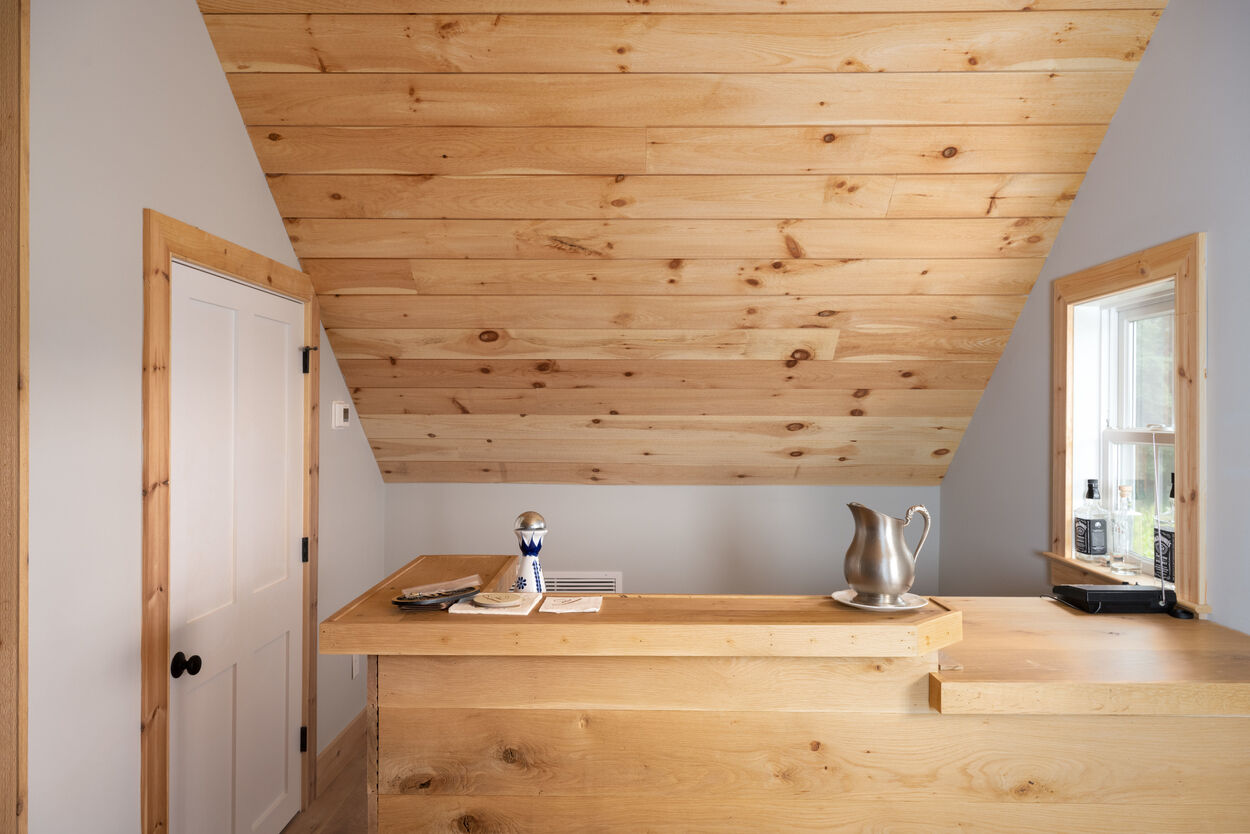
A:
(815, 188)
(772, 744)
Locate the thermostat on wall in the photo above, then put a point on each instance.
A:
(340, 414)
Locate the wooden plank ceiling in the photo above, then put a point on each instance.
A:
(673, 241)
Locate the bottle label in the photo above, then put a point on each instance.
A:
(1090, 535)
(1097, 537)
(1081, 534)
(1165, 568)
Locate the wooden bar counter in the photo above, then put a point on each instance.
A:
(753, 714)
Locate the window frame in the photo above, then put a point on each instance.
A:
(1182, 260)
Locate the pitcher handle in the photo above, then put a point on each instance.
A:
(918, 508)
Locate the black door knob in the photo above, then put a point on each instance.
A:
(181, 663)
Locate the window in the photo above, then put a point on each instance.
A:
(1122, 428)
(1128, 375)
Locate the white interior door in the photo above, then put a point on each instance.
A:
(236, 585)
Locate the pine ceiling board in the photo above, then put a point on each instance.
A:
(678, 100)
(600, 472)
(756, 402)
(711, 276)
(790, 43)
(669, 450)
(846, 313)
(558, 428)
(787, 345)
(951, 344)
(653, 6)
(735, 242)
(945, 149)
(592, 239)
(450, 150)
(734, 374)
(662, 197)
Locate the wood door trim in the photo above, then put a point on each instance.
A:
(164, 239)
(14, 405)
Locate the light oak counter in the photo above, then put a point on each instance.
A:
(751, 714)
(664, 625)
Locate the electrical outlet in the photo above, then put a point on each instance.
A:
(340, 414)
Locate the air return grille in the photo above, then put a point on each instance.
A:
(583, 582)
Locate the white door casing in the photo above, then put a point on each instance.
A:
(236, 587)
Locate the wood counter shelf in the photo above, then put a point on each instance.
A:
(751, 714)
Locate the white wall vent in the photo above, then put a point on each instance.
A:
(583, 582)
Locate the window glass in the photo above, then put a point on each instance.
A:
(1151, 357)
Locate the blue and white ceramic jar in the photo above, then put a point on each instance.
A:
(530, 528)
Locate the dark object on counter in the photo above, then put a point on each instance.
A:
(438, 601)
(1116, 599)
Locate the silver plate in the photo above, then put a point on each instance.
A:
(907, 602)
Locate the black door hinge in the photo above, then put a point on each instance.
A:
(306, 349)
(303, 549)
(303, 739)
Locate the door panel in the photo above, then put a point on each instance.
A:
(205, 727)
(236, 588)
(202, 529)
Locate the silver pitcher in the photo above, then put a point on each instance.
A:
(879, 565)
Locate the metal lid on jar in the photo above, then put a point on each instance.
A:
(530, 520)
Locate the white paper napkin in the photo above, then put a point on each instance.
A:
(571, 605)
(528, 604)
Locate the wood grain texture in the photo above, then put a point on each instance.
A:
(1184, 260)
(340, 754)
(14, 409)
(790, 43)
(608, 239)
(675, 276)
(862, 759)
(737, 374)
(796, 344)
(811, 684)
(567, 815)
(677, 99)
(310, 784)
(165, 238)
(654, 6)
(1126, 665)
(529, 173)
(846, 313)
(804, 473)
(629, 625)
(677, 150)
(859, 402)
(674, 196)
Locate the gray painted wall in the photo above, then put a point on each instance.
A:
(129, 109)
(352, 529)
(1173, 162)
(666, 539)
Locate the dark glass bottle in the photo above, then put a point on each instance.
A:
(1089, 523)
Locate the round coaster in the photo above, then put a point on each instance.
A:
(497, 600)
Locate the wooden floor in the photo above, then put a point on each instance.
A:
(340, 806)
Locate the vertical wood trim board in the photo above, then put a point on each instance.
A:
(165, 238)
(14, 405)
(1185, 260)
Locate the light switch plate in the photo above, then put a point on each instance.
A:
(340, 414)
(358, 660)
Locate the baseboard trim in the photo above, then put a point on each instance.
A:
(347, 745)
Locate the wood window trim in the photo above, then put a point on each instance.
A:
(14, 406)
(1185, 260)
(163, 240)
